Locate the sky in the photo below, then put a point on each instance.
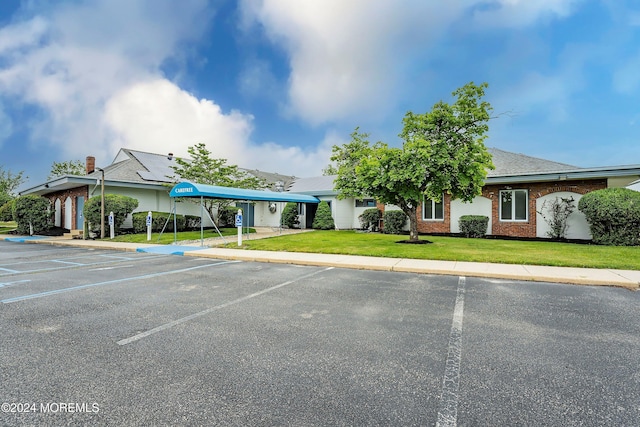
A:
(274, 84)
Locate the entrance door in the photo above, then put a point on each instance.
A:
(248, 214)
(79, 214)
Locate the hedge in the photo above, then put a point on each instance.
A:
(6, 211)
(31, 212)
(121, 206)
(394, 222)
(613, 215)
(473, 225)
(158, 220)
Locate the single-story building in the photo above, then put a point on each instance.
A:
(147, 177)
(512, 197)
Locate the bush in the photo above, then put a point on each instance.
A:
(121, 206)
(323, 219)
(32, 214)
(6, 211)
(290, 215)
(394, 222)
(158, 220)
(370, 219)
(227, 216)
(192, 222)
(473, 225)
(5, 198)
(613, 215)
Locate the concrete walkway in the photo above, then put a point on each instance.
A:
(629, 279)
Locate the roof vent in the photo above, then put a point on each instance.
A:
(170, 156)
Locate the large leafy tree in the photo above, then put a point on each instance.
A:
(443, 151)
(202, 168)
(70, 167)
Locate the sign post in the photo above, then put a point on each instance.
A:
(149, 221)
(112, 232)
(239, 225)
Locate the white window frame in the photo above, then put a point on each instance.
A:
(425, 199)
(513, 205)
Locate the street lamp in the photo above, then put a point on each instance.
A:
(101, 204)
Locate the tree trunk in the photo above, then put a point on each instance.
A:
(412, 213)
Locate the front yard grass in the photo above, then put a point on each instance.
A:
(455, 249)
(6, 226)
(167, 236)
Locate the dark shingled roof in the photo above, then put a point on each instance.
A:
(508, 163)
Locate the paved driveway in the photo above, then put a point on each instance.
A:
(113, 338)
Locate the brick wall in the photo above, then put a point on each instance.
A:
(536, 190)
(510, 228)
(62, 195)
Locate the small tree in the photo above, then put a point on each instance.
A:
(290, 215)
(442, 152)
(31, 212)
(121, 206)
(323, 219)
(9, 182)
(556, 214)
(369, 219)
(70, 167)
(202, 168)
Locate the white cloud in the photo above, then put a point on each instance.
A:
(520, 13)
(93, 70)
(349, 58)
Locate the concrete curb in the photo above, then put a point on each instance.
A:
(628, 279)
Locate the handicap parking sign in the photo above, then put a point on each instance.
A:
(238, 220)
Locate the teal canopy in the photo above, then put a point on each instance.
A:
(189, 189)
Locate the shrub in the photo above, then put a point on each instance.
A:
(121, 206)
(370, 219)
(32, 214)
(394, 222)
(158, 220)
(556, 216)
(473, 225)
(227, 216)
(6, 211)
(290, 215)
(323, 219)
(192, 222)
(613, 215)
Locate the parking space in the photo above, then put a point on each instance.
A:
(148, 339)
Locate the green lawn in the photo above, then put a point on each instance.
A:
(167, 237)
(455, 249)
(6, 226)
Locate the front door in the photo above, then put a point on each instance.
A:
(79, 214)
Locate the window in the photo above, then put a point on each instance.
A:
(365, 203)
(514, 205)
(432, 210)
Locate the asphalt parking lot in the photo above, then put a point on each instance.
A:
(97, 337)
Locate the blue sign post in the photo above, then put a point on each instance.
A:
(239, 225)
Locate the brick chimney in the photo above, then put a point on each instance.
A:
(91, 164)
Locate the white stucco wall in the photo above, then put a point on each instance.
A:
(635, 186)
(478, 206)
(578, 227)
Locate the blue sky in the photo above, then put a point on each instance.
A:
(273, 84)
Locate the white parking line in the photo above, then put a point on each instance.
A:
(7, 284)
(109, 282)
(448, 408)
(218, 307)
